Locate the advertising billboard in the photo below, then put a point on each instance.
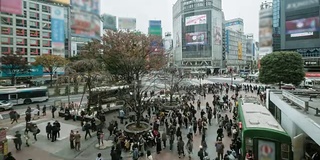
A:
(127, 23)
(304, 27)
(266, 150)
(11, 6)
(233, 23)
(57, 30)
(265, 31)
(239, 50)
(155, 23)
(195, 20)
(109, 22)
(227, 41)
(88, 6)
(32, 72)
(85, 25)
(217, 36)
(294, 5)
(196, 38)
(67, 2)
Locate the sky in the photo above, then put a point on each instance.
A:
(145, 10)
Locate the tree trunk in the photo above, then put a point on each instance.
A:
(51, 75)
(279, 85)
(89, 92)
(138, 117)
(13, 80)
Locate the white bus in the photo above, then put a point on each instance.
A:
(24, 95)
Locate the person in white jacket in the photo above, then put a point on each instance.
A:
(99, 157)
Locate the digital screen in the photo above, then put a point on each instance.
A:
(195, 20)
(303, 27)
(196, 38)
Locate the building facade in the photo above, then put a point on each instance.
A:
(30, 34)
(197, 34)
(300, 31)
(276, 34)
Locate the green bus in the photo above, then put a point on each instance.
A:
(261, 134)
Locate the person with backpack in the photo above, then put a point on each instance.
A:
(219, 148)
(99, 157)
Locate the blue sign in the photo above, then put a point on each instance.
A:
(154, 23)
(227, 41)
(32, 72)
(57, 24)
(233, 23)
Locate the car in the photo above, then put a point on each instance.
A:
(5, 105)
(288, 87)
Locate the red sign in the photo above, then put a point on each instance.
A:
(3, 134)
(312, 74)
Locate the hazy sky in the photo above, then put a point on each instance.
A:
(145, 10)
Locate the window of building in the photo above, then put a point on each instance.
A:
(46, 26)
(21, 22)
(46, 34)
(46, 9)
(22, 51)
(34, 42)
(46, 43)
(46, 17)
(34, 24)
(6, 20)
(5, 40)
(21, 32)
(34, 33)
(21, 41)
(35, 51)
(6, 30)
(34, 15)
(24, 15)
(5, 50)
(34, 6)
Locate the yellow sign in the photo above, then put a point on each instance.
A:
(239, 51)
(62, 1)
(5, 147)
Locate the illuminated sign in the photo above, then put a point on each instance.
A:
(195, 20)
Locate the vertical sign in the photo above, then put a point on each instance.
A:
(57, 30)
(227, 41)
(239, 51)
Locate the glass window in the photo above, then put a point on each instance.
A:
(46, 17)
(285, 151)
(4, 40)
(33, 41)
(4, 49)
(34, 15)
(46, 34)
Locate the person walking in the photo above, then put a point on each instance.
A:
(148, 155)
(87, 129)
(17, 141)
(99, 157)
(158, 144)
(189, 147)
(180, 147)
(49, 130)
(10, 157)
(77, 139)
(164, 139)
(72, 139)
(219, 148)
(44, 110)
(26, 137)
(53, 110)
(58, 125)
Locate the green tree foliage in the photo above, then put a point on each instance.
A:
(51, 63)
(87, 65)
(13, 65)
(277, 67)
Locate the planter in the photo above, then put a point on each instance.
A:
(131, 128)
(173, 105)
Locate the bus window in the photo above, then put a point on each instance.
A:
(285, 151)
(249, 144)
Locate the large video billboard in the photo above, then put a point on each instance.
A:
(67, 2)
(127, 23)
(89, 6)
(265, 31)
(295, 5)
(196, 38)
(302, 28)
(109, 22)
(57, 30)
(85, 25)
(11, 6)
(195, 20)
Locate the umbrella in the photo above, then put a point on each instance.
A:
(9, 137)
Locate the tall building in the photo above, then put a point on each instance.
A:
(36, 31)
(197, 34)
(300, 30)
(235, 44)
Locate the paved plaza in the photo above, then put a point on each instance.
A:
(60, 150)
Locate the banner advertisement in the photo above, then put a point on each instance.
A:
(109, 22)
(227, 41)
(11, 6)
(239, 51)
(196, 38)
(195, 20)
(294, 5)
(57, 30)
(217, 36)
(85, 25)
(32, 72)
(155, 31)
(127, 23)
(233, 23)
(155, 23)
(88, 6)
(266, 150)
(303, 27)
(67, 2)
(265, 31)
